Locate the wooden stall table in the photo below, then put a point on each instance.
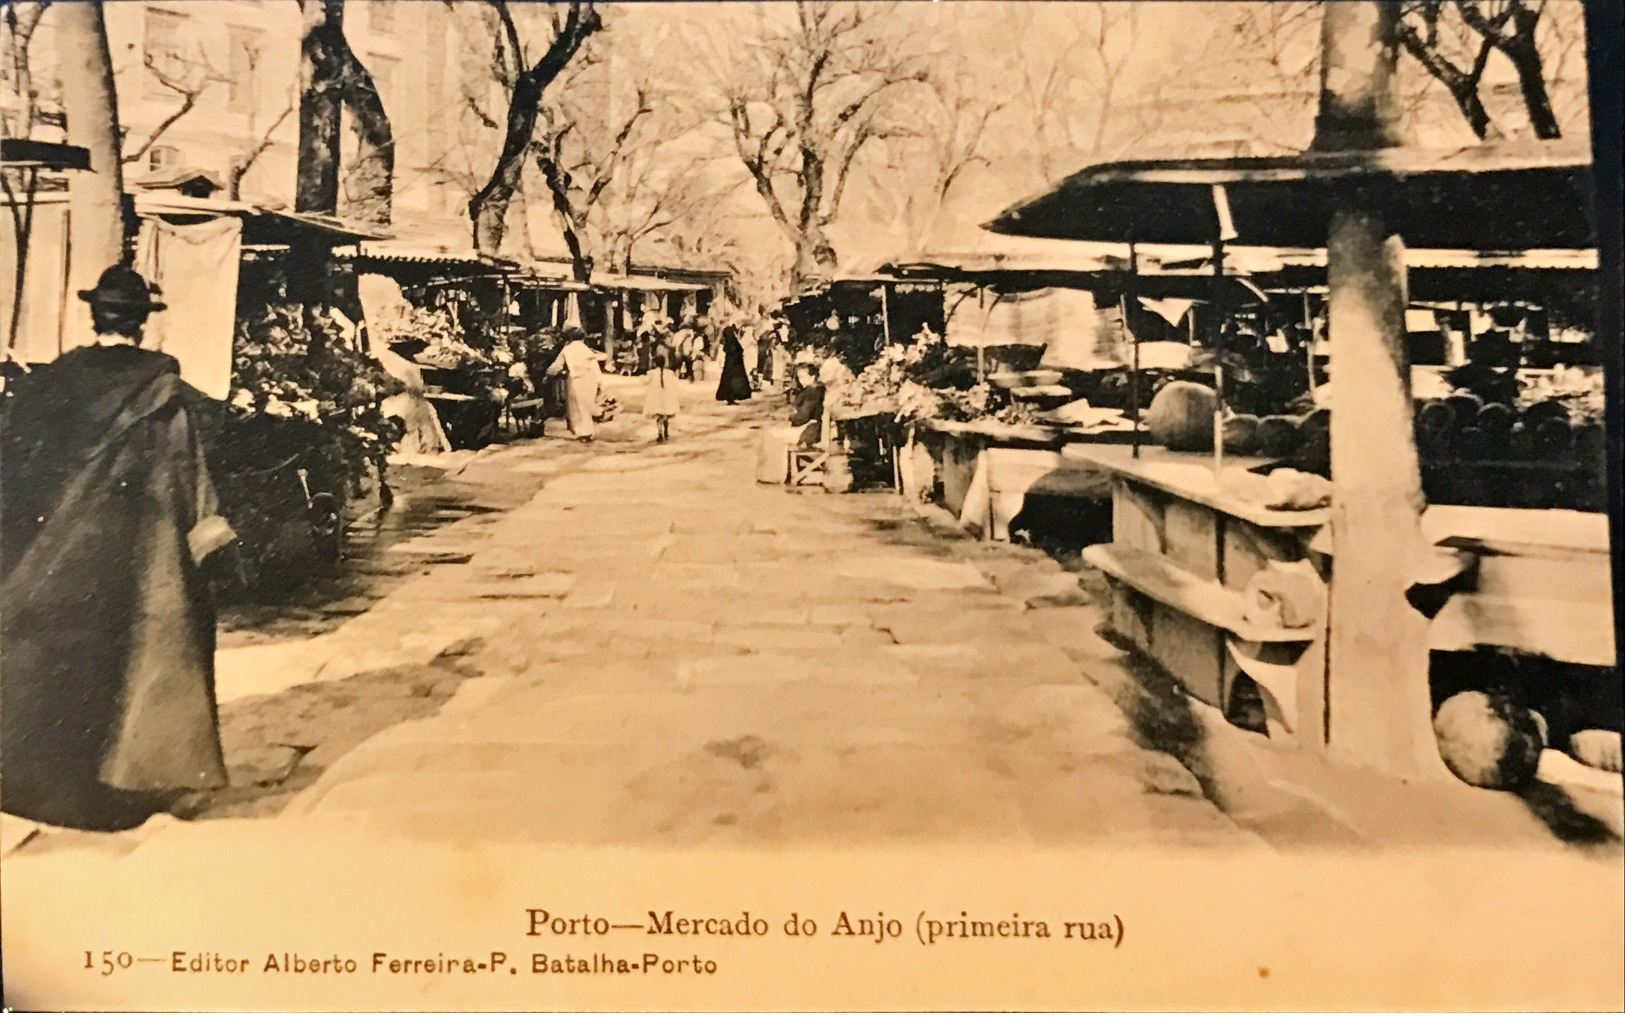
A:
(1544, 584)
(1186, 545)
(845, 423)
(986, 468)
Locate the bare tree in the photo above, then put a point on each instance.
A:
(1419, 33)
(954, 135)
(584, 146)
(488, 208)
(245, 161)
(22, 20)
(1452, 41)
(651, 200)
(802, 105)
(1094, 96)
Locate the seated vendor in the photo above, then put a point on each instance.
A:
(808, 409)
(804, 430)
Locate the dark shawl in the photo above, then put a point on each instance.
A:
(809, 410)
(734, 385)
(107, 650)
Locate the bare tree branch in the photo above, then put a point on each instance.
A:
(189, 91)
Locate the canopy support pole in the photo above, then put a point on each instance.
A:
(1134, 338)
(885, 316)
(1309, 344)
(1218, 357)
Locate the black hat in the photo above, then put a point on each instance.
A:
(122, 286)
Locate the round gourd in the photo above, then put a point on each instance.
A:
(1521, 444)
(1466, 406)
(1181, 417)
(1496, 420)
(1436, 430)
(1591, 446)
(1471, 445)
(1551, 409)
(1487, 741)
(1277, 437)
(1554, 441)
(1241, 434)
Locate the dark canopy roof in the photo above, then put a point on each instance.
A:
(1489, 197)
(1236, 289)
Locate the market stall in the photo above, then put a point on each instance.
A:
(458, 315)
(1222, 565)
(1066, 354)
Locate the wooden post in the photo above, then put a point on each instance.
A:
(1134, 370)
(1218, 358)
(1309, 346)
(1379, 709)
(885, 315)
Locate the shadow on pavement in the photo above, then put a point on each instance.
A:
(278, 745)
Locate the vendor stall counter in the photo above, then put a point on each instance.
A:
(986, 468)
(1186, 564)
(1213, 585)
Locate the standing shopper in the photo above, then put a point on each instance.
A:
(578, 362)
(734, 386)
(107, 705)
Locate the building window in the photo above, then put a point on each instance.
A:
(381, 17)
(162, 157)
(242, 79)
(161, 48)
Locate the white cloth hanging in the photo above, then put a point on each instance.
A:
(196, 268)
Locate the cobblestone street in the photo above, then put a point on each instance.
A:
(656, 650)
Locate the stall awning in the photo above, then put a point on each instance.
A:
(1487, 197)
(645, 283)
(429, 255)
(261, 225)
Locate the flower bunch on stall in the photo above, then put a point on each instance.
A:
(438, 328)
(293, 362)
(923, 380)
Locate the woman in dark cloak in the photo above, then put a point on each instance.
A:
(735, 384)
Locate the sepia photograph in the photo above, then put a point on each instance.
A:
(810, 505)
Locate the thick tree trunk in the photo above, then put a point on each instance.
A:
(96, 199)
(320, 106)
(1379, 707)
(488, 209)
(373, 180)
(333, 79)
(1358, 51)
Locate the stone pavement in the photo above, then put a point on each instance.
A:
(636, 644)
(657, 650)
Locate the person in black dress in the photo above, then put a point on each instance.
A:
(735, 384)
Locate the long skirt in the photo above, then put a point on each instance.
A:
(580, 405)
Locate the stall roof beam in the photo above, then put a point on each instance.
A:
(26, 153)
(1487, 197)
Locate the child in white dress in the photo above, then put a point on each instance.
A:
(660, 395)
